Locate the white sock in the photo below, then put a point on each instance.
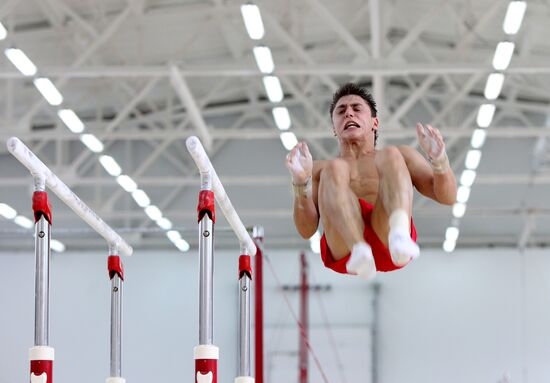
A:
(399, 219)
(402, 248)
(361, 261)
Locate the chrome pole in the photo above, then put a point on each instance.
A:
(42, 283)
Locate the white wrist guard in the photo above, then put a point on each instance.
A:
(440, 166)
(303, 190)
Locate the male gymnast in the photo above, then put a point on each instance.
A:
(364, 196)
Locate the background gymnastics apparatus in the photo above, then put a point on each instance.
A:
(206, 354)
(41, 355)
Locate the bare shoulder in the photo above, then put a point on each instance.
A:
(411, 155)
(407, 150)
(318, 166)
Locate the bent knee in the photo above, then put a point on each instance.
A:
(336, 169)
(390, 152)
(389, 155)
(336, 165)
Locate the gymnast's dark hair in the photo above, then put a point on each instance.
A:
(354, 89)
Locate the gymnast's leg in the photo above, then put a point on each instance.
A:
(391, 217)
(341, 215)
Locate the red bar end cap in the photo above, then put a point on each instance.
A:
(115, 266)
(245, 266)
(41, 206)
(206, 205)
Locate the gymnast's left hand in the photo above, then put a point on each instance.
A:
(300, 164)
(431, 142)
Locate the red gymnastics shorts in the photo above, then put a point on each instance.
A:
(380, 252)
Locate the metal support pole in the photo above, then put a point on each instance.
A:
(206, 281)
(116, 326)
(245, 276)
(42, 282)
(303, 355)
(41, 356)
(206, 354)
(244, 328)
(258, 234)
(116, 274)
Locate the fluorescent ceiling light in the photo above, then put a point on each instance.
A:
(3, 32)
(141, 198)
(182, 245)
(503, 55)
(164, 223)
(514, 17)
(264, 59)
(72, 121)
(281, 117)
(463, 194)
(451, 234)
(289, 140)
(253, 21)
(7, 211)
(478, 138)
(468, 177)
(57, 246)
(127, 183)
(459, 209)
(20, 60)
(92, 142)
(485, 115)
(449, 246)
(110, 165)
(273, 88)
(153, 212)
(472, 159)
(173, 235)
(48, 90)
(23, 222)
(493, 86)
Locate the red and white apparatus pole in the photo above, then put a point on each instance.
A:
(245, 277)
(304, 328)
(258, 235)
(206, 354)
(41, 355)
(116, 275)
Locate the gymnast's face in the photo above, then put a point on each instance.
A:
(352, 119)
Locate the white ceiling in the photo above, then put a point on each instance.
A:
(424, 60)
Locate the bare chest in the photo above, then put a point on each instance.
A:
(364, 179)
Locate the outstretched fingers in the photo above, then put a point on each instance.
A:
(305, 150)
(436, 134)
(292, 155)
(420, 131)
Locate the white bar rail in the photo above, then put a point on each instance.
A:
(38, 169)
(200, 157)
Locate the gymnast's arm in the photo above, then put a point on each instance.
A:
(305, 180)
(435, 179)
(306, 213)
(439, 186)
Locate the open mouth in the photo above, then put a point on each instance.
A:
(351, 124)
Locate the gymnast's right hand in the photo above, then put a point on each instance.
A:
(300, 164)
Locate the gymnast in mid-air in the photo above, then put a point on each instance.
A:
(364, 196)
